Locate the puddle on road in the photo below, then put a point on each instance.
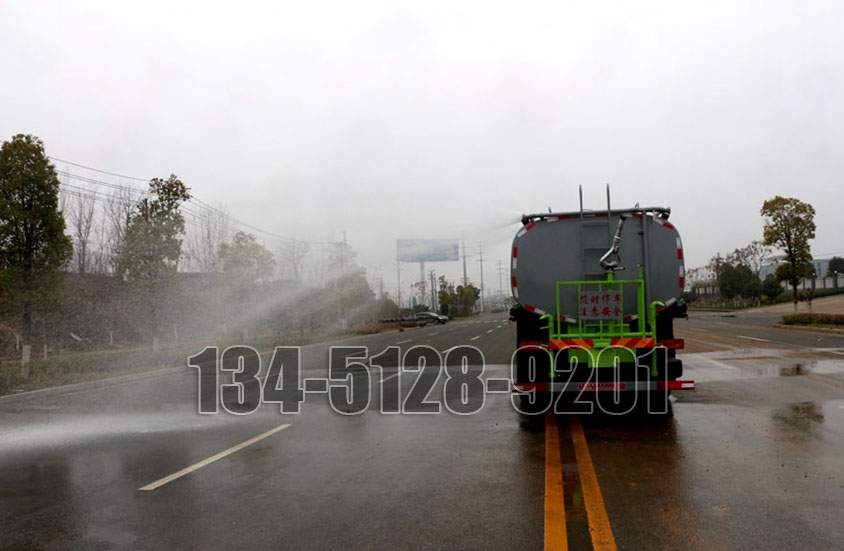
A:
(720, 368)
(800, 415)
(772, 366)
(797, 422)
(795, 370)
(810, 367)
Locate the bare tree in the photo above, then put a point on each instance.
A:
(753, 256)
(314, 269)
(204, 237)
(293, 255)
(696, 275)
(101, 255)
(118, 213)
(81, 217)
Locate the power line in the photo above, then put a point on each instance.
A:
(100, 171)
(195, 201)
(198, 202)
(77, 191)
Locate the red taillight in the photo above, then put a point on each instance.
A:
(673, 343)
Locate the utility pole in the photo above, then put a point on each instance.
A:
(433, 291)
(500, 283)
(398, 289)
(481, 262)
(422, 283)
(465, 279)
(717, 273)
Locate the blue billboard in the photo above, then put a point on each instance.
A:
(427, 250)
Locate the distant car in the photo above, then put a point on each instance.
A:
(424, 318)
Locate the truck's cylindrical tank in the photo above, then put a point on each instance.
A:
(567, 248)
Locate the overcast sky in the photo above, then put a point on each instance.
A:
(441, 119)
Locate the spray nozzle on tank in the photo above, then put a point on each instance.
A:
(613, 265)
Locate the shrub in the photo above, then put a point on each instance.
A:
(813, 319)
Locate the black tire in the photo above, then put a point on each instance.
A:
(539, 405)
(675, 369)
(656, 397)
(541, 376)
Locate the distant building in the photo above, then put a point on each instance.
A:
(821, 266)
(770, 267)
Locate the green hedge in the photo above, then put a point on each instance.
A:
(785, 296)
(813, 319)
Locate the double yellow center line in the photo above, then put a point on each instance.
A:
(555, 512)
(600, 530)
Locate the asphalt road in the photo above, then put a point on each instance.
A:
(751, 459)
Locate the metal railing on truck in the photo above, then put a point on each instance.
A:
(601, 322)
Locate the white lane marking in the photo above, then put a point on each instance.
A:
(722, 364)
(404, 341)
(475, 338)
(836, 352)
(390, 377)
(187, 470)
(434, 334)
(447, 350)
(752, 338)
(491, 330)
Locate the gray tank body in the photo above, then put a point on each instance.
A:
(567, 247)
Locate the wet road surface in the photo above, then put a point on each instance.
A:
(751, 459)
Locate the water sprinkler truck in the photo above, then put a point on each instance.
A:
(596, 294)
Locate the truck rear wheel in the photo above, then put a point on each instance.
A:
(655, 402)
(675, 369)
(533, 366)
(540, 404)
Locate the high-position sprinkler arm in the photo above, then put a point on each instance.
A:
(612, 265)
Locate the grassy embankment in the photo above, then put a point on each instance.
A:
(68, 368)
(740, 303)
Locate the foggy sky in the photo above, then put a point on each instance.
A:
(441, 119)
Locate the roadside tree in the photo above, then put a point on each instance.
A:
(771, 288)
(836, 266)
(33, 246)
(789, 225)
(467, 296)
(245, 259)
(736, 281)
(752, 255)
(152, 245)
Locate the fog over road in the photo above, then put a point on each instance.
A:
(751, 459)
